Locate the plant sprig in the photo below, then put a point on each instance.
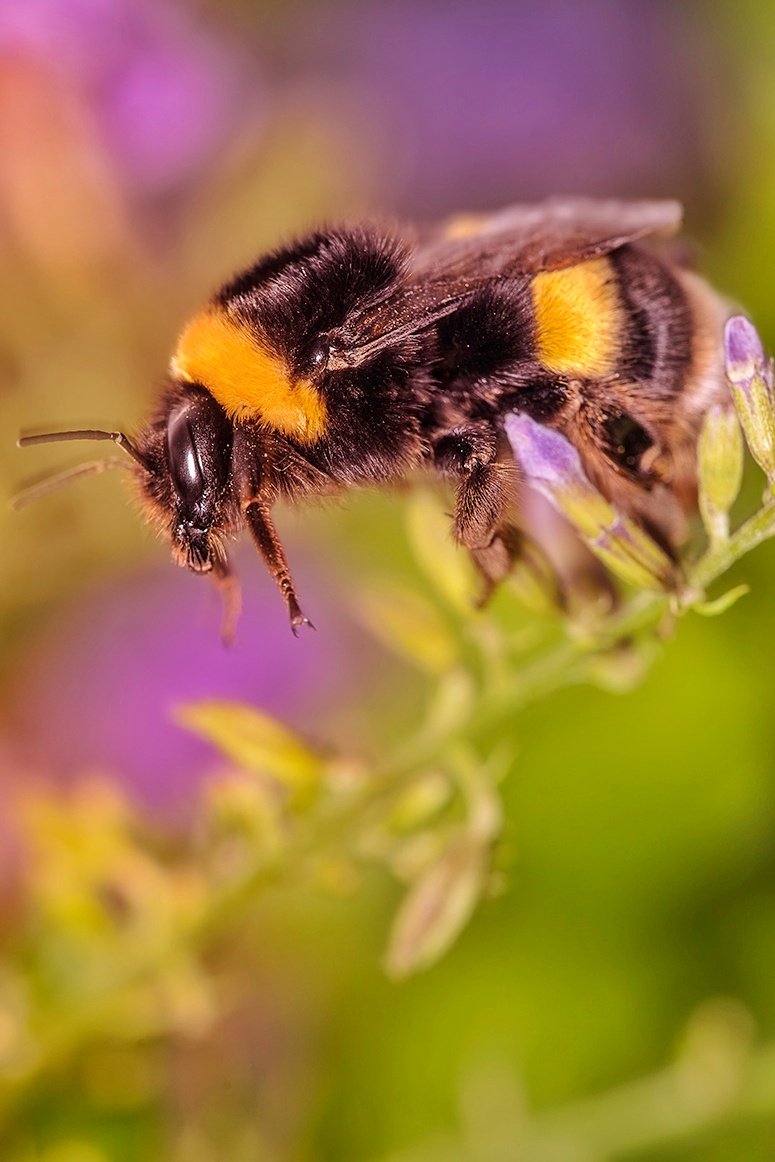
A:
(118, 929)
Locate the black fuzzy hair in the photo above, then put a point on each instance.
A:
(489, 334)
(314, 286)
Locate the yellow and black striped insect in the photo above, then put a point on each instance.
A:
(357, 355)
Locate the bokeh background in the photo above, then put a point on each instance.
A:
(147, 149)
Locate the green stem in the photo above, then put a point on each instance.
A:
(566, 665)
(518, 687)
(721, 557)
(671, 1106)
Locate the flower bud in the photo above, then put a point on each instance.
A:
(552, 466)
(720, 469)
(750, 378)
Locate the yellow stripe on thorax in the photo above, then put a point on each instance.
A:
(578, 318)
(246, 379)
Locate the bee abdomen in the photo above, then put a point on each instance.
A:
(657, 331)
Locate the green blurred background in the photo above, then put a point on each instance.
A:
(149, 149)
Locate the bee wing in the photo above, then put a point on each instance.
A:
(469, 252)
(526, 239)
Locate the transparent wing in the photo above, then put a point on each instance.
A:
(526, 239)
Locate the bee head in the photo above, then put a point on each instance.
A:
(187, 453)
(182, 464)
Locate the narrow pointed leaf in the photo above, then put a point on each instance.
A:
(258, 742)
(438, 906)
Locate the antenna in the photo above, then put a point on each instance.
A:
(118, 438)
(50, 483)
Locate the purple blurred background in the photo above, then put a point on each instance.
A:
(97, 686)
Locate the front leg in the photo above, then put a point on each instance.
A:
(268, 543)
(485, 488)
(255, 470)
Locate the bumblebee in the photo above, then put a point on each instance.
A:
(359, 354)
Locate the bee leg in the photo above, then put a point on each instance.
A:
(231, 598)
(269, 546)
(485, 488)
(482, 496)
(460, 450)
(467, 455)
(494, 561)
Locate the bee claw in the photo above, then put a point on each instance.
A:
(298, 620)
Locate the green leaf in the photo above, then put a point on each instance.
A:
(410, 626)
(258, 742)
(444, 563)
(438, 906)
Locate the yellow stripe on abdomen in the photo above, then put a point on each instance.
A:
(248, 381)
(578, 317)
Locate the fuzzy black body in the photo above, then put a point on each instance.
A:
(400, 355)
(359, 355)
(330, 290)
(633, 426)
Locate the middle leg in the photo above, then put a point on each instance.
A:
(485, 488)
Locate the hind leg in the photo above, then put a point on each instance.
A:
(485, 489)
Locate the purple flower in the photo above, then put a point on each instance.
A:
(546, 457)
(745, 358)
(743, 348)
(750, 378)
(553, 467)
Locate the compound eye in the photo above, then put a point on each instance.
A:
(185, 463)
(318, 356)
